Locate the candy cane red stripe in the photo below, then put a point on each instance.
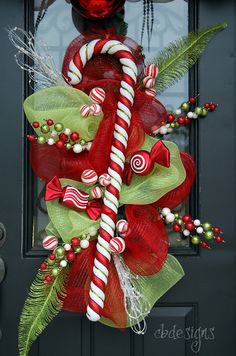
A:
(117, 160)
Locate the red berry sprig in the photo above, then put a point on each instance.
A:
(187, 112)
(64, 254)
(56, 134)
(199, 233)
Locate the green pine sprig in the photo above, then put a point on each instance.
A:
(43, 303)
(175, 60)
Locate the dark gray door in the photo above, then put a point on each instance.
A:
(198, 315)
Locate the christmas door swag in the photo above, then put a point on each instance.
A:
(111, 181)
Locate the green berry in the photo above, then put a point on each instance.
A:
(172, 125)
(198, 110)
(58, 127)
(204, 112)
(45, 128)
(185, 106)
(68, 146)
(60, 252)
(195, 240)
(41, 140)
(209, 235)
(206, 226)
(82, 142)
(179, 221)
(177, 125)
(55, 272)
(77, 249)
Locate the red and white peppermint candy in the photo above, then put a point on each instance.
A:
(151, 92)
(97, 95)
(97, 192)
(105, 179)
(139, 164)
(76, 198)
(122, 226)
(95, 109)
(148, 82)
(50, 242)
(89, 177)
(85, 110)
(151, 70)
(117, 245)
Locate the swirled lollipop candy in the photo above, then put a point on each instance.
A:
(142, 162)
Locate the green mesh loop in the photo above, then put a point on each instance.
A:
(154, 287)
(62, 104)
(66, 221)
(147, 189)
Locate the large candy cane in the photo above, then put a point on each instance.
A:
(117, 159)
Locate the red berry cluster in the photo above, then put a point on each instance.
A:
(58, 135)
(210, 106)
(187, 112)
(199, 233)
(59, 259)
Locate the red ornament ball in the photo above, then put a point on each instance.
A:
(48, 278)
(187, 120)
(75, 241)
(189, 226)
(70, 256)
(35, 124)
(186, 218)
(74, 136)
(204, 244)
(207, 105)
(52, 257)
(192, 100)
(43, 266)
(170, 118)
(63, 137)
(97, 9)
(50, 122)
(31, 138)
(213, 107)
(219, 239)
(216, 230)
(60, 144)
(181, 120)
(176, 228)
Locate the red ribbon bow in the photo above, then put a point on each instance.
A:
(142, 162)
(73, 198)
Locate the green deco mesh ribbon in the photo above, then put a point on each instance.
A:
(62, 104)
(155, 286)
(146, 190)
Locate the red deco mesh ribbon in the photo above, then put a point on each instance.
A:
(145, 254)
(176, 196)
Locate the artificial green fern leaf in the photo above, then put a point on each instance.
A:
(43, 303)
(175, 60)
